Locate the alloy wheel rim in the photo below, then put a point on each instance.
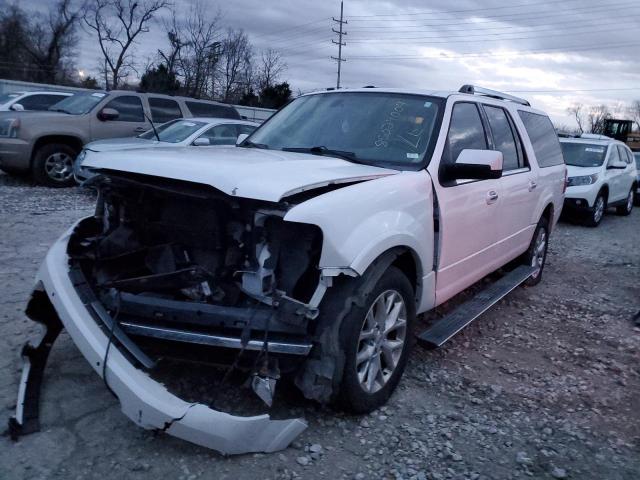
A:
(630, 201)
(599, 210)
(59, 166)
(539, 252)
(381, 341)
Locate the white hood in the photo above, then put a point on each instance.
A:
(121, 143)
(268, 175)
(573, 171)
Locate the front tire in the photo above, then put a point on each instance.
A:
(625, 209)
(53, 165)
(536, 255)
(595, 214)
(376, 339)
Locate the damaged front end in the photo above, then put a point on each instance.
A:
(164, 265)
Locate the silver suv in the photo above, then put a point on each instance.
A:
(45, 144)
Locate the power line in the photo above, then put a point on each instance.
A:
(295, 27)
(565, 49)
(340, 43)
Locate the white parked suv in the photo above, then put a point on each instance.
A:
(306, 251)
(602, 173)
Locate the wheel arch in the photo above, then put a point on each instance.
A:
(70, 140)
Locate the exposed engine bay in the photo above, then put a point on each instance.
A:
(186, 263)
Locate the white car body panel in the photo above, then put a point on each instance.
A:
(146, 402)
(244, 172)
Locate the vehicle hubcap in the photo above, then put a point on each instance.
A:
(381, 341)
(59, 166)
(599, 209)
(539, 251)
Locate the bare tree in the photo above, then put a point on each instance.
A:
(596, 118)
(195, 48)
(236, 61)
(14, 61)
(577, 111)
(634, 111)
(271, 67)
(117, 24)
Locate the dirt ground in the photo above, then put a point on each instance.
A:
(545, 385)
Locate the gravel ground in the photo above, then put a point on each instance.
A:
(545, 385)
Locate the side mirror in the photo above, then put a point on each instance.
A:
(17, 107)
(107, 114)
(474, 165)
(241, 138)
(201, 142)
(617, 166)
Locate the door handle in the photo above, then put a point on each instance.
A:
(492, 196)
(139, 129)
(532, 185)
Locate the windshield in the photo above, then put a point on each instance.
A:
(175, 131)
(78, 104)
(5, 97)
(378, 128)
(583, 154)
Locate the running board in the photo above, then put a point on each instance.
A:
(449, 325)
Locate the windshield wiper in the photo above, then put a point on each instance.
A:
(325, 152)
(250, 144)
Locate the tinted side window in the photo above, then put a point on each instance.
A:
(164, 110)
(465, 131)
(202, 109)
(248, 129)
(623, 154)
(129, 108)
(40, 102)
(221, 135)
(503, 138)
(614, 157)
(543, 138)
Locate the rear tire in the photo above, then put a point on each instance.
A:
(376, 339)
(596, 213)
(536, 255)
(626, 209)
(53, 165)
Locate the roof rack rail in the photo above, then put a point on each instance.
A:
(473, 90)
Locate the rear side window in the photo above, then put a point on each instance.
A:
(129, 108)
(221, 135)
(623, 154)
(164, 110)
(40, 102)
(543, 138)
(503, 137)
(202, 109)
(465, 131)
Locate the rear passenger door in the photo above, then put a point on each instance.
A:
(130, 122)
(469, 209)
(517, 185)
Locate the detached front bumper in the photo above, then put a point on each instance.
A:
(145, 401)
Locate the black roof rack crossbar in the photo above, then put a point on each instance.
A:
(473, 90)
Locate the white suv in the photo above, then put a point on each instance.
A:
(306, 251)
(602, 173)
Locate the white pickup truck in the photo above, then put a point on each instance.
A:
(307, 251)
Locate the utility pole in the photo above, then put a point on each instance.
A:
(340, 43)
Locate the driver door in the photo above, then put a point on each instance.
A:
(468, 210)
(130, 122)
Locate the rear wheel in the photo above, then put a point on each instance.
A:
(376, 339)
(53, 165)
(628, 204)
(536, 256)
(595, 214)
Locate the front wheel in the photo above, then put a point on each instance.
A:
(628, 204)
(536, 256)
(595, 214)
(376, 339)
(53, 165)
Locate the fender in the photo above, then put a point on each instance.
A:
(362, 221)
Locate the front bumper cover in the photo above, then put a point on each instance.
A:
(146, 402)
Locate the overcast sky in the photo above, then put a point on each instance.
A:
(553, 48)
